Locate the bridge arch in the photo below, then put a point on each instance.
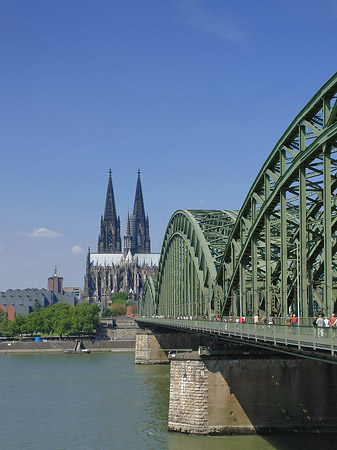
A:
(278, 253)
(192, 249)
(147, 301)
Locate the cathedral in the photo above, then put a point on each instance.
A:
(116, 269)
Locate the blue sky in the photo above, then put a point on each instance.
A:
(194, 93)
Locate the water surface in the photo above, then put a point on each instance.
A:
(102, 401)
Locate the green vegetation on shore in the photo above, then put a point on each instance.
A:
(119, 302)
(59, 319)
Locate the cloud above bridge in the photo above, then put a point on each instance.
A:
(77, 250)
(44, 233)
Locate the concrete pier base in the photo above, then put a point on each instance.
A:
(222, 395)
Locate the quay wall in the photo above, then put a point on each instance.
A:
(60, 346)
(118, 328)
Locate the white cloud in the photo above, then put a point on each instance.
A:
(44, 233)
(77, 250)
(195, 15)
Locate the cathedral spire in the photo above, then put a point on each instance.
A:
(110, 206)
(109, 240)
(128, 234)
(138, 209)
(140, 229)
(128, 225)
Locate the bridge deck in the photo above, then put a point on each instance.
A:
(310, 342)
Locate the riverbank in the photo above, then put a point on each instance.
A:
(114, 335)
(59, 346)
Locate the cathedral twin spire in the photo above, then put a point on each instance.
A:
(109, 240)
(137, 236)
(141, 235)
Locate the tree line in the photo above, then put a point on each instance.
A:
(58, 319)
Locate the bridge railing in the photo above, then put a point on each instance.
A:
(300, 337)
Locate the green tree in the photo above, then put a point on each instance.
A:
(107, 312)
(36, 322)
(118, 309)
(27, 326)
(3, 322)
(13, 328)
(37, 306)
(20, 320)
(119, 297)
(85, 319)
(47, 320)
(61, 318)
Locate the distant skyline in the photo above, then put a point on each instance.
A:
(194, 93)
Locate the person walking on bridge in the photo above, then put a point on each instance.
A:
(333, 324)
(294, 322)
(320, 325)
(288, 323)
(256, 320)
(326, 326)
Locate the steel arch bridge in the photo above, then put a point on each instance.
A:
(278, 253)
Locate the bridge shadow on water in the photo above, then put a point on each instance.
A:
(179, 441)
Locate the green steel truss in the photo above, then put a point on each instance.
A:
(278, 253)
(148, 298)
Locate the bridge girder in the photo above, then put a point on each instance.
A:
(278, 253)
(291, 215)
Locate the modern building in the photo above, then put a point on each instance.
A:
(73, 290)
(16, 301)
(113, 269)
(55, 283)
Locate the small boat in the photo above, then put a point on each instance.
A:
(78, 348)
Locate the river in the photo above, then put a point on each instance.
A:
(103, 401)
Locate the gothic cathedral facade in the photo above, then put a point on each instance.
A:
(113, 269)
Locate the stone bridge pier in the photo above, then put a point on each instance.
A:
(154, 346)
(250, 393)
(227, 388)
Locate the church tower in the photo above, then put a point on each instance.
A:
(109, 240)
(128, 234)
(140, 223)
(111, 269)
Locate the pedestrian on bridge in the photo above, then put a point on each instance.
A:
(288, 323)
(320, 326)
(333, 324)
(326, 326)
(294, 322)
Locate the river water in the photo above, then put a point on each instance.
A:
(103, 401)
